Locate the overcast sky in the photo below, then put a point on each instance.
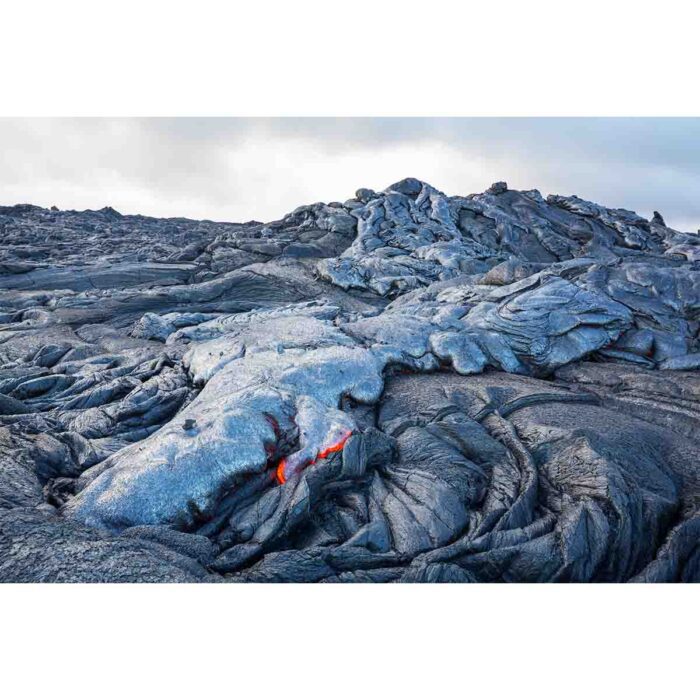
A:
(242, 169)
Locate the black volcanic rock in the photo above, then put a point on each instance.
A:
(498, 188)
(658, 219)
(402, 387)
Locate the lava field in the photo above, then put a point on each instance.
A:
(402, 387)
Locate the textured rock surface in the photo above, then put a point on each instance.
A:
(403, 387)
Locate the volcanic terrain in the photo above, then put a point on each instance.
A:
(402, 387)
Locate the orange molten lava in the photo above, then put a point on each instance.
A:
(333, 448)
(280, 471)
(321, 455)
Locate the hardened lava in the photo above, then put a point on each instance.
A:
(402, 387)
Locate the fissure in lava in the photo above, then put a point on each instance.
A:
(337, 447)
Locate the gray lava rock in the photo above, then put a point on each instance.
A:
(40, 548)
(404, 387)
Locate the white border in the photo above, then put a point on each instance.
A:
(360, 58)
(321, 641)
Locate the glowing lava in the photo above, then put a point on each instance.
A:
(280, 471)
(282, 466)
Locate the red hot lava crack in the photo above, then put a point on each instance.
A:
(337, 447)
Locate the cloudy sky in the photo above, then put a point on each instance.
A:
(242, 169)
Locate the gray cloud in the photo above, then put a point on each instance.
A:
(239, 169)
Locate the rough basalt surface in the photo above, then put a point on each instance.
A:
(404, 387)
